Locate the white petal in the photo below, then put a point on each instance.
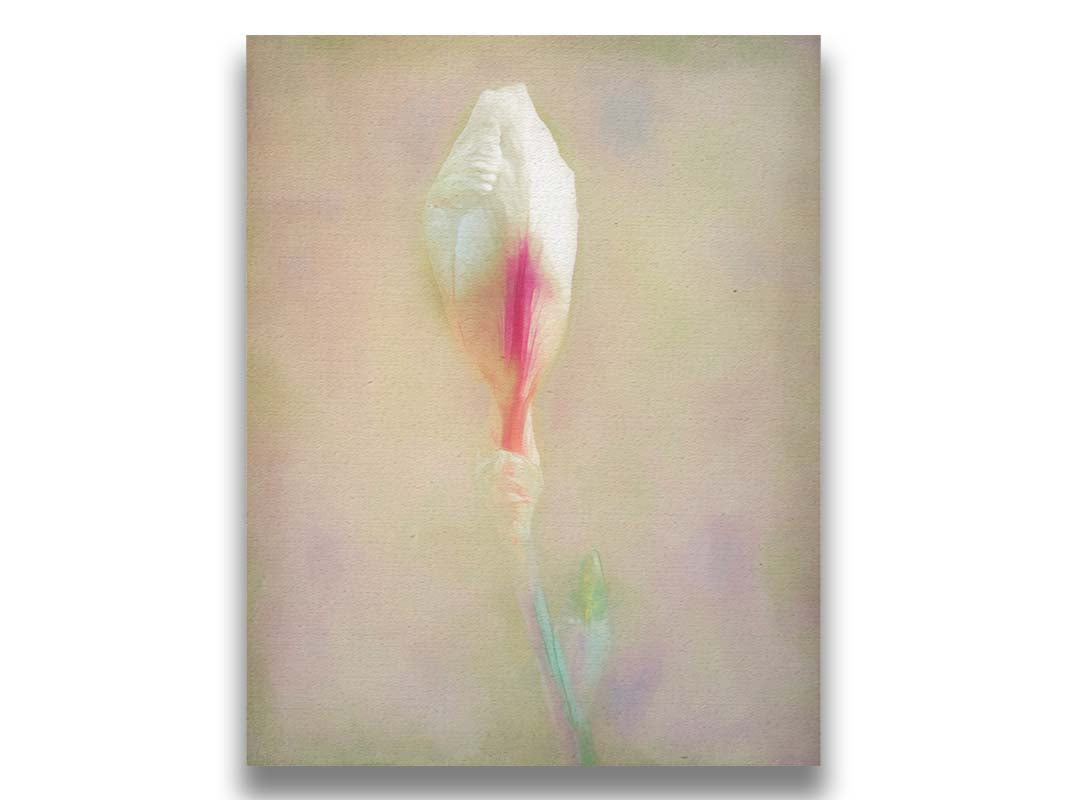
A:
(504, 178)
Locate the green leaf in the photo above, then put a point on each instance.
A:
(590, 597)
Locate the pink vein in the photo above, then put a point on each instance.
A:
(524, 285)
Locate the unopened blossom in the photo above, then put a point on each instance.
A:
(502, 227)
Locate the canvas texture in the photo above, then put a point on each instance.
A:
(533, 433)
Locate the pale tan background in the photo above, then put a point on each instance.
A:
(679, 430)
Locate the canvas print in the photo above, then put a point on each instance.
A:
(533, 400)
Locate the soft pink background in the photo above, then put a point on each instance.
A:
(679, 430)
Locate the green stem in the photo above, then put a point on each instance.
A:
(518, 482)
(560, 674)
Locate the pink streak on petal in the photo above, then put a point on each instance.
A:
(524, 287)
(523, 284)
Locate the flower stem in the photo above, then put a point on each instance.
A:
(556, 665)
(516, 483)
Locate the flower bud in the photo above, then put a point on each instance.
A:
(502, 228)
